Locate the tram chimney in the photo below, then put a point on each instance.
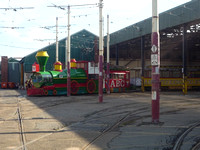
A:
(42, 57)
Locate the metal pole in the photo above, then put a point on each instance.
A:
(155, 63)
(108, 57)
(68, 56)
(56, 39)
(100, 52)
(117, 55)
(142, 63)
(22, 75)
(184, 54)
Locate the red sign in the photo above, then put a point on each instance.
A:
(116, 83)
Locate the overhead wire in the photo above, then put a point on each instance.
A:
(13, 27)
(15, 46)
(21, 14)
(75, 16)
(25, 27)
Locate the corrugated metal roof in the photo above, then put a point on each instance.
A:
(82, 48)
(176, 16)
(82, 42)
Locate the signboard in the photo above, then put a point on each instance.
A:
(117, 83)
(154, 49)
(154, 59)
(153, 95)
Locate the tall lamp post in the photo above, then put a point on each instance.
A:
(56, 39)
(68, 56)
(108, 56)
(155, 63)
(100, 52)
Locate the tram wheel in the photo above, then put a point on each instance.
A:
(54, 92)
(91, 86)
(45, 92)
(74, 87)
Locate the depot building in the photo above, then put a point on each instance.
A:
(130, 47)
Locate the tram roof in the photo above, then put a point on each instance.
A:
(179, 15)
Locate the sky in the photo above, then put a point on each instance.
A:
(27, 30)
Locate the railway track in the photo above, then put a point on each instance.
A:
(125, 114)
(125, 118)
(131, 114)
(105, 131)
(196, 146)
(112, 111)
(16, 117)
(179, 141)
(21, 127)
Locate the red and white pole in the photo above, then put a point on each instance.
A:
(56, 39)
(68, 57)
(100, 52)
(155, 63)
(108, 56)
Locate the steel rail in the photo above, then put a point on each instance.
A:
(21, 126)
(106, 130)
(196, 147)
(179, 141)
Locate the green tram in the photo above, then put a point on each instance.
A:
(83, 75)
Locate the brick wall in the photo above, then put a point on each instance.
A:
(4, 69)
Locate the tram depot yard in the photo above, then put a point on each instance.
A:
(121, 122)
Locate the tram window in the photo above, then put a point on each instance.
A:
(47, 78)
(33, 78)
(127, 76)
(77, 65)
(121, 76)
(80, 65)
(115, 76)
(111, 76)
(39, 78)
(85, 66)
(36, 78)
(93, 64)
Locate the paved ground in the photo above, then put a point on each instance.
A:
(121, 122)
